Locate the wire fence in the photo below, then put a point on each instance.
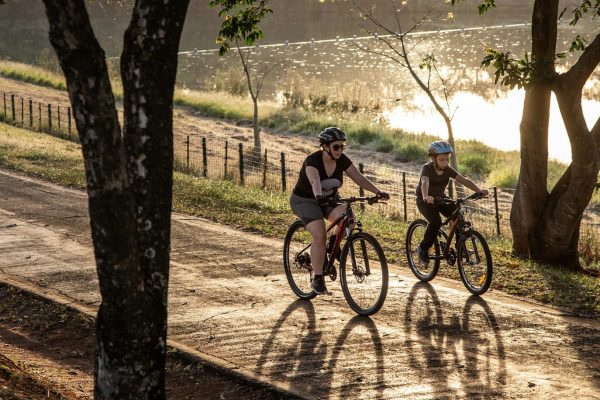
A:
(237, 161)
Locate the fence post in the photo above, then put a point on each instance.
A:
(30, 113)
(22, 111)
(497, 213)
(5, 105)
(241, 150)
(40, 116)
(50, 117)
(361, 191)
(69, 120)
(404, 195)
(187, 150)
(204, 160)
(226, 151)
(264, 177)
(283, 182)
(58, 116)
(12, 103)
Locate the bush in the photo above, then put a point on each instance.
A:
(410, 152)
(505, 178)
(475, 164)
(232, 81)
(385, 145)
(363, 135)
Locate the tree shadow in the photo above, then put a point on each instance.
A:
(458, 355)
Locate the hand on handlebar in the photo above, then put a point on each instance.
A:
(382, 195)
(325, 201)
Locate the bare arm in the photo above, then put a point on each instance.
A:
(470, 184)
(315, 181)
(361, 180)
(425, 190)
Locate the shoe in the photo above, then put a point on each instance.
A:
(423, 256)
(318, 284)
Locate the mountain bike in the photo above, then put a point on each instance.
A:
(362, 263)
(471, 252)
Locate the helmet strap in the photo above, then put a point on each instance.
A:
(328, 151)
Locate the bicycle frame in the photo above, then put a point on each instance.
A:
(343, 223)
(457, 222)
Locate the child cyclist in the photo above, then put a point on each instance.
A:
(435, 176)
(315, 195)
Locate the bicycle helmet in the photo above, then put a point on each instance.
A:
(331, 134)
(440, 147)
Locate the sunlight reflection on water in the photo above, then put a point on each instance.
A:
(493, 122)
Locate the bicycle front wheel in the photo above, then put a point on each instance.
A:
(475, 263)
(414, 236)
(363, 274)
(296, 260)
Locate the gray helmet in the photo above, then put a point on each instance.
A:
(331, 134)
(440, 147)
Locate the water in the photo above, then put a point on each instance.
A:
(336, 65)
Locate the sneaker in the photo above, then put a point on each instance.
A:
(423, 256)
(318, 284)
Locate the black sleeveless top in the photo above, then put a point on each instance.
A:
(329, 184)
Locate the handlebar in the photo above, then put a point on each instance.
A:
(370, 200)
(446, 200)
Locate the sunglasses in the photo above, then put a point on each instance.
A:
(338, 147)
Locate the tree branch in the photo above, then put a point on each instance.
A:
(585, 66)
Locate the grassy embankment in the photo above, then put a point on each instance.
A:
(59, 161)
(307, 113)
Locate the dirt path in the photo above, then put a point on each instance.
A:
(230, 300)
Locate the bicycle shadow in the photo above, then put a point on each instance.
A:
(458, 355)
(350, 376)
(296, 351)
(295, 347)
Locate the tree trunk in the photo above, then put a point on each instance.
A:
(257, 145)
(129, 184)
(531, 194)
(454, 159)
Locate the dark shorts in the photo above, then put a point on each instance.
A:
(308, 210)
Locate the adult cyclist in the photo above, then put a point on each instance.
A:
(316, 192)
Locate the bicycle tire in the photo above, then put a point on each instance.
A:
(412, 255)
(378, 277)
(298, 277)
(482, 282)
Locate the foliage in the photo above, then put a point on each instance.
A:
(240, 23)
(514, 72)
(475, 164)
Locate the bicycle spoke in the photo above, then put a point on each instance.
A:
(364, 274)
(297, 262)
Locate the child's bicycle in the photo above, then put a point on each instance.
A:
(363, 267)
(470, 252)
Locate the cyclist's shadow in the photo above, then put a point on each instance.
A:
(297, 352)
(351, 379)
(294, 349)
(465, 348)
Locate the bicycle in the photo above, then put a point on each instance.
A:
(471, 251)
(364, 283)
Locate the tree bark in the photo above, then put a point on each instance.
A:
(530, 196)
(129, 181)
(546, 225)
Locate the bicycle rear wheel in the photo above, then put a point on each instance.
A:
(296, 260)
(363, 274)
(414, 236)
(475, 263)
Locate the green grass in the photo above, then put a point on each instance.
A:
(267, 212)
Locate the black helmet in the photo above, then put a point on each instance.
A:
(331, 134)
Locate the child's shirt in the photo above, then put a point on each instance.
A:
(437, 183)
